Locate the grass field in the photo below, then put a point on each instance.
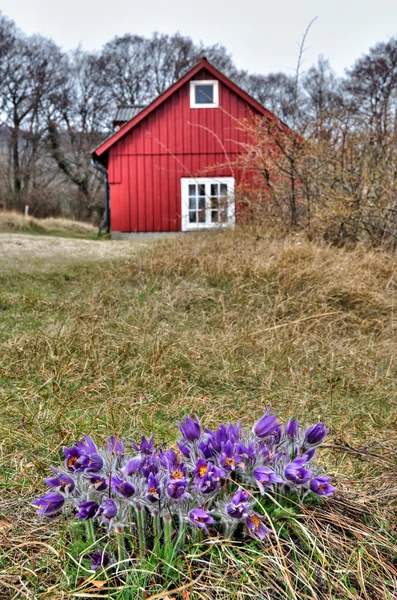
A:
(222, 325)
(13, 222)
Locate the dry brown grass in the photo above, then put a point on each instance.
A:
(12, 221)
(224, 325)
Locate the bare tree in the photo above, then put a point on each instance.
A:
(77, 118)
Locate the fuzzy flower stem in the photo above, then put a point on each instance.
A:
(156, 533)
(90, 531)
(198, 536)
(168, 539)
(181, 534)
(228, 530)
(140, 519)
(121, 547)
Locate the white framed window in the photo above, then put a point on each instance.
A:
(204, 93)
(207, 202)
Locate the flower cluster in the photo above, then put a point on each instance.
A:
(208, 480)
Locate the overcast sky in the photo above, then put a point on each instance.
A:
(262, 35)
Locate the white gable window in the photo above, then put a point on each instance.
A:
(207, 202)
(204, 93)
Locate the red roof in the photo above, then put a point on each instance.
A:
(115, 137)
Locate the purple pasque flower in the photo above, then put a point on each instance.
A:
(153, 488)
(184, 449)
(292, 428)
(267, 425)
(87, 510)
(224, 434)
(145, 447)
(133, 466)
(296, 471)
(115, 445)
(255, 526)
(97, 482)
(190, 430)
(264, 477)
(91, 463)
(83, 457)
(248, 453)
(207, 476)
(150, 465)
(87, 446)
(320, 485)
(99, 559)
(238, 506)
(169, 459)
(178, 472)
(201, 518)
(176, 489)
(122, 487)
(228, 458)
(71, 458)
(315, 434)
(61, 483)
(51, 504)
(108, 510)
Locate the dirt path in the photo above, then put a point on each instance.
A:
(24, 252)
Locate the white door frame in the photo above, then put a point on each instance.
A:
(206, 181)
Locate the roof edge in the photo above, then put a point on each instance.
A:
(104, 146)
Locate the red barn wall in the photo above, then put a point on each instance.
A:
(146, 165)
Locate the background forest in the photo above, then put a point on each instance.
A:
(55, 106)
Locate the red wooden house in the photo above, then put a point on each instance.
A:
(171, 167)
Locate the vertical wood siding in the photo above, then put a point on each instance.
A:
(146, 165)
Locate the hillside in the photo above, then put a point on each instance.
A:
(222, 325)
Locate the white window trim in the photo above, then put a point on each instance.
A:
(193, 84)
(185, 181)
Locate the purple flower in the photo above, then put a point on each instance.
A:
(266, 425)
(247, 453)
(61, 483)
(256, 528)
(228, 458)
(91, 463)
(320, 485)
(178, 472)
(190, 430)
(184, 449)
(97, 482)
(207, 476)
(133, 466)
(87, 510)
(238, 507)
(207, 450)
(51, 504)
(169, 459)
(108, 510)
(71, 458)
(292, 428)
(296, 471)
(150, 465)
(265, 477)
(153, 488)
(315, 434)
(115, 445)
(218, 437)
(176, 489)
(146, 446)
(83, 457)
(201, 518)
(122, 487)
(99, 559)
(87, 446)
